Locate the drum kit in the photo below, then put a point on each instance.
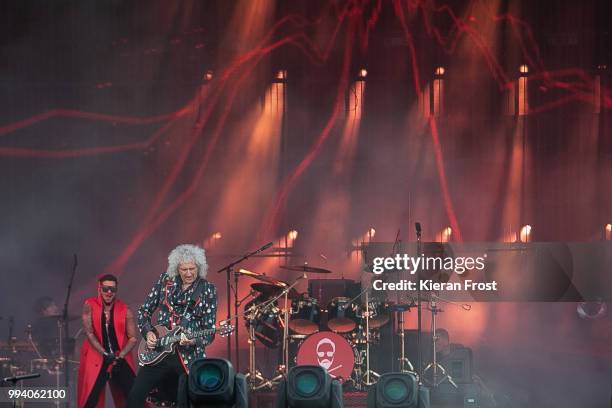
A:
(336, 335)
(38, 354)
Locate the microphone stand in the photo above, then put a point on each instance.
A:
(419, 329)
(14, 379)
(228, 270)
(64, 323)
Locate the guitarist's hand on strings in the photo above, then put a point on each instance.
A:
(185, 341)
(151, 340)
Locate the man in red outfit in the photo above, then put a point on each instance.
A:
(105, 356)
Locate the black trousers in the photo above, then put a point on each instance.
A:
(164, 376)
(121, 377)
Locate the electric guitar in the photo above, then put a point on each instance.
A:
(168, 339)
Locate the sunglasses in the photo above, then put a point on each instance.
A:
(108, 289)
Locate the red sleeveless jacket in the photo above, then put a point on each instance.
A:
(91, 360)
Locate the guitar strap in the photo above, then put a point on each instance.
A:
(193, 299)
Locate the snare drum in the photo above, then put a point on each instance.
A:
(341, 315)
(305, 316)
(379, 314)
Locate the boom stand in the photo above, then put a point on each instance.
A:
(229, 269)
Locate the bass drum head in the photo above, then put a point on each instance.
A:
(330, 351)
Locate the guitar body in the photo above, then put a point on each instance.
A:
(168, 339)
(147, 356)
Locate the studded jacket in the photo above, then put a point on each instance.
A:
(168, 296)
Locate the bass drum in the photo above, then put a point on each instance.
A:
(330, 351)
(267, 326)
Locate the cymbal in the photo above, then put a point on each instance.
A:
(259, 276)
(274, 290)
(20, 345)
(304, 268)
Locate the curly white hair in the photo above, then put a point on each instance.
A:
(187, 253)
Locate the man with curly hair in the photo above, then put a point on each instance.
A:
(184, 298)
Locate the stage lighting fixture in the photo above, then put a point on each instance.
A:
(525, 234)
(208, 76)
(439, 71)
(524, 70)
(293, 234)
(281, 76)
(445, 234)
(213, 382)
(395, 390)
(309, 386)
(363, 73)
(608, 232)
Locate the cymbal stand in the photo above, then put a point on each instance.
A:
(283, 368)
(405, 366)
(370, 376)
(254, 377)
(281, 371)
(31, 341)
(438, 372)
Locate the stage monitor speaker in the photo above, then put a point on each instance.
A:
(459, 364)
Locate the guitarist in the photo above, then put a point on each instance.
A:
(184, 298)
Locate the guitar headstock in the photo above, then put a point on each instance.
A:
(225, 329)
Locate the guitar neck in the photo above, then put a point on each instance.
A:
(194, 335)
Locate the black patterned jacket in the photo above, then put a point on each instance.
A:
(167, 296)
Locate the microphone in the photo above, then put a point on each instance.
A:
(16, 378)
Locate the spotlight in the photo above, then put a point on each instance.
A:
(281, 76)
(439, 71)
(217, 235)
(445, 234)
(213, 382)
(395, 390)
(309, 386)
(363, 73)
(524, 69)
(525, 234)
(608, 232)
(208, 76)
(292, 235)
